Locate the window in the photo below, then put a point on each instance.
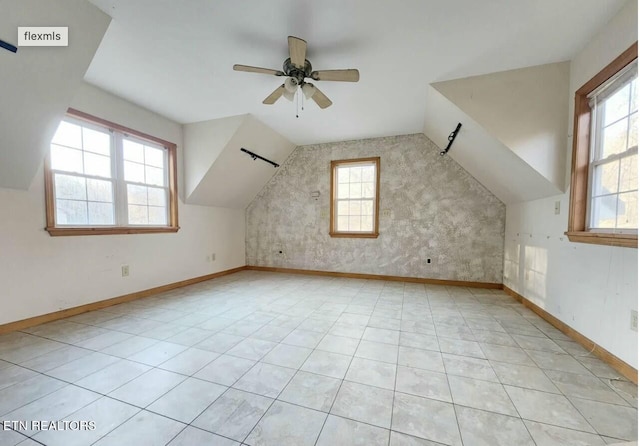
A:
(614, 155)
(604, 175)
(355, 186)
(102, 178)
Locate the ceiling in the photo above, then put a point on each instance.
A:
(38, 83)
(176, 58)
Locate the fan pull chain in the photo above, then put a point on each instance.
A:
(297, 103)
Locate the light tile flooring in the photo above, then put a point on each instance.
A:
(274, 359)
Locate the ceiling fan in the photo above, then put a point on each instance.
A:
(296, 68)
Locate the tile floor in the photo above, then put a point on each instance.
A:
(274, 359)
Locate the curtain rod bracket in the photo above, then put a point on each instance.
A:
(452, 137)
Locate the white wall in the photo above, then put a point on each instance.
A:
(204, 142)
(39, 82)
(232, 178)
(40, 274)
(525, 109)
(488, 160)
(592, 288)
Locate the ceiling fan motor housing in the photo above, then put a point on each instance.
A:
(296, 72)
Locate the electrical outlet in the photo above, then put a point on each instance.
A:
(125, 270)
(386, 213)
(213, 257)
(634, 320)
(557, 207)
(429, 260)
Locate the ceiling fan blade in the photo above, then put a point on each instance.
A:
(273, 97)
(321, 99)
(297, 51)
(249, 69)
(336, 75)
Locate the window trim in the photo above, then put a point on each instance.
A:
(342, 234)
(172, 167)
(580, 164)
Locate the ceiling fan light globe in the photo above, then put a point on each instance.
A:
(291, 85)
(308, 90)
(289, 94)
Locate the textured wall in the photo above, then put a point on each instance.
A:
(429, 208)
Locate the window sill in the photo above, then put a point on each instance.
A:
(353, 235)
(599, 238)
(57, 232)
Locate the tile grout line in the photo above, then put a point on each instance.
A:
(343, 378)
(397, 366)
(453, 405)
(458, 309)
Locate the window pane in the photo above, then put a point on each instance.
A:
(615, 138)
(69, 160)
(157, 197)
(617, 106)
(603, 211)
(343, 223)
(368, 173)
(343, 208)
(157, 215)
(154, 176)
(367, 207)
(138, 215)
(367, 223)
(99, 190)
(133, 172)
(70, 212)
(628, 211)
(67, 186)
(97, 142)
(634, 95)
(605, 178)
(367, 190)
(355, 190)
(629, 173)
(355, 174)
(355, 208)
(97, 165)
(343, 190)
(68, 135)
(633, 130)
(354, 223)
(153, 156)
(133, 151)
(101, 213)
(343, 175)
(136, 194)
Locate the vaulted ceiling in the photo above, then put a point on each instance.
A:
(421, 63)
(176, 57)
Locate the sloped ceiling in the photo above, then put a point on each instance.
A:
(176, 57)
(488, 160)
(205, 141)
(229, 177)
(525, 109)
(38, 83)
